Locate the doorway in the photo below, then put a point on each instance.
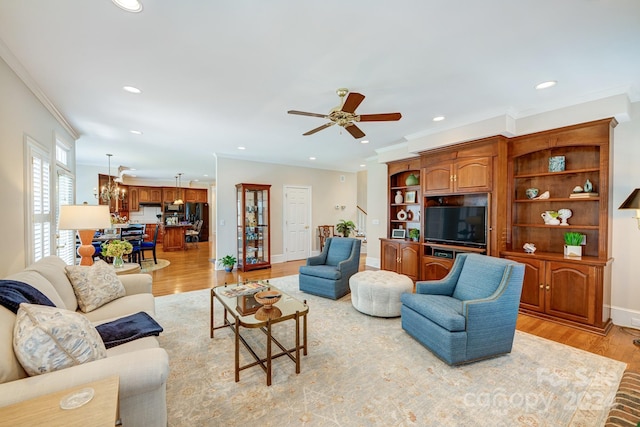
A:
(297, 222)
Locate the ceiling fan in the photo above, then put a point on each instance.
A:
(344, 114)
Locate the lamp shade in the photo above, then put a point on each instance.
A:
(633, 201)
(84, 217)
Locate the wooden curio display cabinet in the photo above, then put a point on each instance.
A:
(400, 254)
(567, 289)
(254, 248)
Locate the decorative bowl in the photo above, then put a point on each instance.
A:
(268, 298)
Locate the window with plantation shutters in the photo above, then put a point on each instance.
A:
(39, 213)
(65, 248)
(66, 239)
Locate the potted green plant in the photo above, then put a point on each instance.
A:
(228, 261)
(414, 234)
(345, 227)
(573, 244)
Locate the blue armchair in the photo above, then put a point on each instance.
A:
(471, 313)
(327, 275)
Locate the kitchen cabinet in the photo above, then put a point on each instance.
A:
(196, 195)
(150, 194)
(402, 257)
(464, 175)
(169, 194)
(564, 290)
(173, 237)
(134, 199)
(253, 226)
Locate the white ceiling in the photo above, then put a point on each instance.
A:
(217, 75)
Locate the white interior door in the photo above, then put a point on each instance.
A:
(297, 222)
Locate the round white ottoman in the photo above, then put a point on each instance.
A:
(377, 292)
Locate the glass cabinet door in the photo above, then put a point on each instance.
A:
(253, 226)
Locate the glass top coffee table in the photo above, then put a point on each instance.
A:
(245, 312)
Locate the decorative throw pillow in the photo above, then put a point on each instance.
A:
(94, 285)
(47, 339)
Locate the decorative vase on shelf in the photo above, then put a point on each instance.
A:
(402, 215)
(118, 262)
(412, 180)
(399, 198)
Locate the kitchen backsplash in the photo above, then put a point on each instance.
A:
(146, 215)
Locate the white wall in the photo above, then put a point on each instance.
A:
(625, 293)
(327, 190)
(21, 114)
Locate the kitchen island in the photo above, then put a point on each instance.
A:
(173, 238)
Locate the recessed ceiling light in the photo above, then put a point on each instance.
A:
(242, 148)
(364, 141)
(129, 5)
(438, 118)
(133, 169)
(547, 84)
(205, 175)
(312, 158)
(132, 89)
(363, 166)
(196, 180)
(136, 132)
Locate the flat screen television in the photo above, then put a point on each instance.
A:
(458, 225)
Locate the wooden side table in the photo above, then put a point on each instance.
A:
(101, 410)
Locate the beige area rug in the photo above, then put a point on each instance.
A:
(366, 371)
(148, 265)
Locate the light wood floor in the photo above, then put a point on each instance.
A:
(192, 270)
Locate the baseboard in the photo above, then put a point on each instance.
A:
(625, 317)
(372, 262)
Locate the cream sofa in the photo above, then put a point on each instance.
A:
(141, 364)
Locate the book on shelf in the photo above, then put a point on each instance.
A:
(248, 288)
(582, 195)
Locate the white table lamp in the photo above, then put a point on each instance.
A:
(86, 219)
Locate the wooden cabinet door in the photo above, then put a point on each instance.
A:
(390, 256)
(168, 195)
(190, 195)
(438, 179)
(145, 195)
(571, 291)
(472, 174)
(434, 268)
(155, 195)
(134, 199)
(202, 196)
(533, 287)
(409, 264)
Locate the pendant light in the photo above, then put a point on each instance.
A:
(178, 200)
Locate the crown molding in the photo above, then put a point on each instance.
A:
(26, 78)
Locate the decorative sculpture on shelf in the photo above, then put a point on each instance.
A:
(529, 248)
(564, 215)
(543, 196)
(550, 217)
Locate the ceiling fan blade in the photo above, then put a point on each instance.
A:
(385, 117)
(318, 129)
(351, 103)
(304, 113)
(354, 131)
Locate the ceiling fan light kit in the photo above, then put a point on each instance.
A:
(344, 114)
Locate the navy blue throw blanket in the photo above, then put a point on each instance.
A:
(14, 293)
(120, 331)
(128, 329)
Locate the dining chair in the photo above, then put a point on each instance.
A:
(150, 246)
(193, 235)
(134, 234)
